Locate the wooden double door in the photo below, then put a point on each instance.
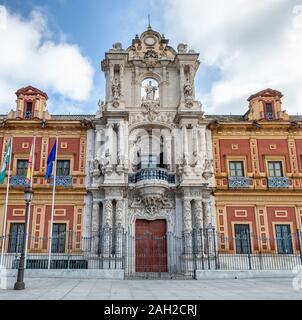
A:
(151, 246)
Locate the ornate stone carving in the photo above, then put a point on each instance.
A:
(164, 117)
(188, 94)
(153, 203)
(151, 58)
(108, 213)
(116, 93)
(207, 170)
(187, 216)
(119, 213)
(150, 108)
(198, 214)
(150, 91)
(182, 48)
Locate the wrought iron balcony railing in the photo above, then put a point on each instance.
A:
(16, 181)
(278, 182)
(152, 174)
(62, 181)
(239, 182)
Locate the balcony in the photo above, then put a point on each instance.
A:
(278, 182)
(152, 174)
(62, 181)
(17, 181)
(239, 182)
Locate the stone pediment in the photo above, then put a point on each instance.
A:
(31, 91)
(150, 47)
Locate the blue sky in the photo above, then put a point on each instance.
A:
(230, 47)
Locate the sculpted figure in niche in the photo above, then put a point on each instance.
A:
(150, 91)
(116, 90)
(188, 90)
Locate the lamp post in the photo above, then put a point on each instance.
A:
(20, 285)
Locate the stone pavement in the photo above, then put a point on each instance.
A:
(92, 289)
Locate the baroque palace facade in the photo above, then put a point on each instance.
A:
(151, 163)
(31, 119)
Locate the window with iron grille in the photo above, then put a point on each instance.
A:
(63, 167)
(284, 239)
(22, 167)
(236, 169)
(58, 238)
(242, 239)
(275, 169)
(15, 242)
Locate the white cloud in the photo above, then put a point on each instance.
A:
(255, 45)
(29, 56)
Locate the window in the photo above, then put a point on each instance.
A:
(275, 169)
(15, 242)
(242, 238)
(63, 167)
(268, 111)
(58, 238)
(284, 239)
(236, 168)
(22, 167)
(28, 112)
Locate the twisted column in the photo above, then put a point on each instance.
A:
(187, 226)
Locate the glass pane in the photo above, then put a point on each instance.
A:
(242, 238)
(284, 239)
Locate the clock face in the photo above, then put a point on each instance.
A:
(150, 41)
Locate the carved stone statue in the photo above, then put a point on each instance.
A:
(116, 90)
(188, 90)
(150, 91)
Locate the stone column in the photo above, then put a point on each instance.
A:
(208, 215)
(210, 237)
(95, 224)
(185, 145)
(198, 226)
(195, 141)
(182, 79)
(111, 76)
(122, 80)
(121, 138)
(110, 148)
(107, 230)
(119, 224)
(187, 225)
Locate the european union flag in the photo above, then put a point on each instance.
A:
(50, 160)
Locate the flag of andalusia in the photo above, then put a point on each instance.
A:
(5, 162)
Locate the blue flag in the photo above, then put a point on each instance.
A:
(50, 160)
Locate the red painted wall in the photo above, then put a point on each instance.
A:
(299, 153)
(281, 150)
(225, 147)
(231, 219)
(73, 147)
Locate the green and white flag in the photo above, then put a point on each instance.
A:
(5, 162)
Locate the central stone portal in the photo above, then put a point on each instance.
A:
(151, 246)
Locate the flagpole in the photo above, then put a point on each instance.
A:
(6, 199)
(53, 204)
(31, 186)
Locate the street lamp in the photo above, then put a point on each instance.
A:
(20, 285)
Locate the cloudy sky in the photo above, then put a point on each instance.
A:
(57, 45)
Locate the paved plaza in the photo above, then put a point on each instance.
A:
(92, 289)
